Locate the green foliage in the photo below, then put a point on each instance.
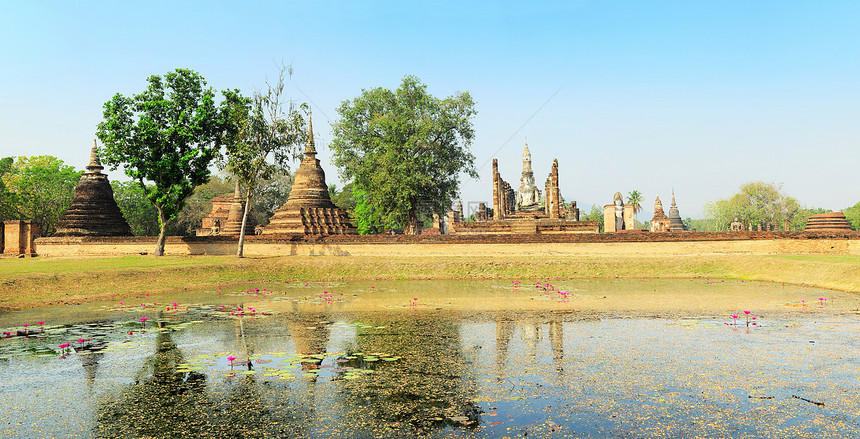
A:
(367, 221)
(8, 199)
(345, 198)
(404, 151)
(38, 188)
(262, 132)
(755, 203)
(272, 193)
(168, 135)
(595, 214)
(799, 221)
(140, 214)
(635, 198)
(852, 214)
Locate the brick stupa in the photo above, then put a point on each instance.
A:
(309, 209)
(827, 222)
(226, 217)
(93, 211)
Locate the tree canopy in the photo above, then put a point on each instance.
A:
(404, 151)
(755, 203)
(852, 214)
(38, 188)
(169, 135)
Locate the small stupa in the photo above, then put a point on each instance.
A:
(233, 223)
(676, 224)
(309, 209)
(827, 222)
(93, 211)
(660, 222)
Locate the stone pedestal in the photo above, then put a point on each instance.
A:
(609, 218)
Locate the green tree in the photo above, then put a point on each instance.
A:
(345, 198)
(169, 135)
(8, 199)
(596, 214)
(852, 214)
(404, 151)
(40, 188)
(635, 198)
(141, 215)
(756, 203)
(265, 141)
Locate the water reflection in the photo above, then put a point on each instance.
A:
(385, 368)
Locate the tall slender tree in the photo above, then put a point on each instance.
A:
(265, 140)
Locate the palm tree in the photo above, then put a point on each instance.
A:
(634, 198)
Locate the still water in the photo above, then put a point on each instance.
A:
(535, 358)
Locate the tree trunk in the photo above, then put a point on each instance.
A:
(411, 223)
(162, 236)
(241, 249)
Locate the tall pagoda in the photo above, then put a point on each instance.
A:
(309, 209)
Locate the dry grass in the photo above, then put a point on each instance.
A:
(30, 283)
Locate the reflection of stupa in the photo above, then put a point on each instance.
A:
(309, 209)
(93, 211)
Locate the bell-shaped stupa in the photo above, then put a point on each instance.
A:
(309, 209)
(676, 224)
(93, 211)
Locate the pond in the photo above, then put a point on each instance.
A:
(535, 358)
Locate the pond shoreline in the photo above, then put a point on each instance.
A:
(39, 282)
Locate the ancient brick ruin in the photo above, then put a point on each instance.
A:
(93, 211)
(826, 222)
(17, 237)
(659, 222)
(309, 209)
(226, 217)
(515, 212)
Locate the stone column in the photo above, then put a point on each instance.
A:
(609, 218)
(497, 192)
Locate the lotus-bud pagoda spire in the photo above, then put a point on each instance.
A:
(95, 166)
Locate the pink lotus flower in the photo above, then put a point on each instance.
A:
(143, 319)
(26, 325)
(41, 323)
(231, 358)
(81, 341)
(734, 316)
(746, 312)
(175, 304)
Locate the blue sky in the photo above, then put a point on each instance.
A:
(646, 95)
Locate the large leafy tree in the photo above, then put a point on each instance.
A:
(39, 188)
(169, 135)
(404, 151)
(756, 203)
(265, 139)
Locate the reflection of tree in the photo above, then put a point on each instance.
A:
(163, 403)
(430, 384)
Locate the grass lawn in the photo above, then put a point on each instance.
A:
(35, 282)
